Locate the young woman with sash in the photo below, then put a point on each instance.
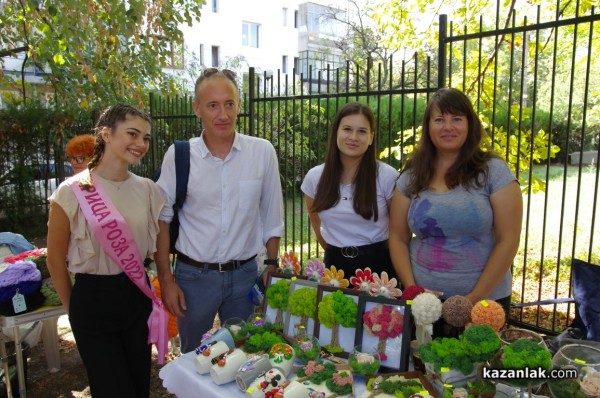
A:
(103, 223)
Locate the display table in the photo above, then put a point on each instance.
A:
(49, 318)
(180, 378)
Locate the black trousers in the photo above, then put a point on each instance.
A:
(375, 256)
(108, 316)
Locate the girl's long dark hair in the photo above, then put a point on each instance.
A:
(470, 164)
(365, 184)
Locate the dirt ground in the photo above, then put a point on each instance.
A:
(71, 380)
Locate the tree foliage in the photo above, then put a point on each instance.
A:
(96, 52)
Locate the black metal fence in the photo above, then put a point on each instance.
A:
(534, 94)
(534, 88)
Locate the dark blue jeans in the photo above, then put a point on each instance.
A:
(209, 292)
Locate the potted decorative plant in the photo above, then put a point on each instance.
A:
(482, 388)
(454, 359)
(523, 354)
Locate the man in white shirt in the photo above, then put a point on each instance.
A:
(233, 208)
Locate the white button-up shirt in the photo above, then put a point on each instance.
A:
(233, 205)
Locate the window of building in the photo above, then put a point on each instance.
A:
(296, 19)
(215, 5)
(250, 34)
(215, 56)
(284, 16)
(201, 55)
(284, 64)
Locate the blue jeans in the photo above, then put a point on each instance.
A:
(210, 292)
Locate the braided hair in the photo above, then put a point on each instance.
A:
(109, 118)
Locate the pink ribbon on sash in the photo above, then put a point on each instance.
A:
(115, 237)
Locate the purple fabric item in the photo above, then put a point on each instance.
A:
(21, 271)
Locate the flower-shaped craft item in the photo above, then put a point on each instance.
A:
(384, 322)
(279, 352)
(334, 277)
(314, 270)
(363, 279)
(290, 264)
(426, 309)
(488, 312)
(385, 287)
(411, 292)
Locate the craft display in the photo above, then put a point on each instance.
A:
(411, 292)
(326, 379)
(456, 311)
(266, 382)
(488, 312)
(523, 354)
(383, 286)
(210, 352)
(362, 280)
(282, 357)
(336, 309)
(289, 264)
(302, 303)
(226, 366)
(262, 342)
(258, 322)
(426, 309)
(384, 322)
(334, 277)
(585, 360)
(277, 298)
(364, 361)
(453, 361)
(307, 347)
(238, 329)
(251, 369)
(405, 384)
(220, 334)
(314, 270)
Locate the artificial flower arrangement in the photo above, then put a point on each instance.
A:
(488, 312)
(337, 381)
(314, 270)
(587, 385)
(262, 342)
(523, 354)
(395, 385)
(337, 309)
(426, 309)
(385, 322)
(478, 343)
(289, 264)
(277, 297)
(259, 323)
(334, 277)
(302, 303)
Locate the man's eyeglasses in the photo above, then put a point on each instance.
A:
(76, 159)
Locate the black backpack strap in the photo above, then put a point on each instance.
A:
(182, 172)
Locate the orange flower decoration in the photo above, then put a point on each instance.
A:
(334, 277)
(172, 320)
(290, 264)
(385, 287)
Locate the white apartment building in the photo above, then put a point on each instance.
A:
(270, 35)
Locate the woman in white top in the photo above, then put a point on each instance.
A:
(348, 196)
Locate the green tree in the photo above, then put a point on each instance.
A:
(337, 309)
(302, 303)
(97, 52)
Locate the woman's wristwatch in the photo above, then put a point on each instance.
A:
(271, 261)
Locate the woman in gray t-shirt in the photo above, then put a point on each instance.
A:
(455, 218)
